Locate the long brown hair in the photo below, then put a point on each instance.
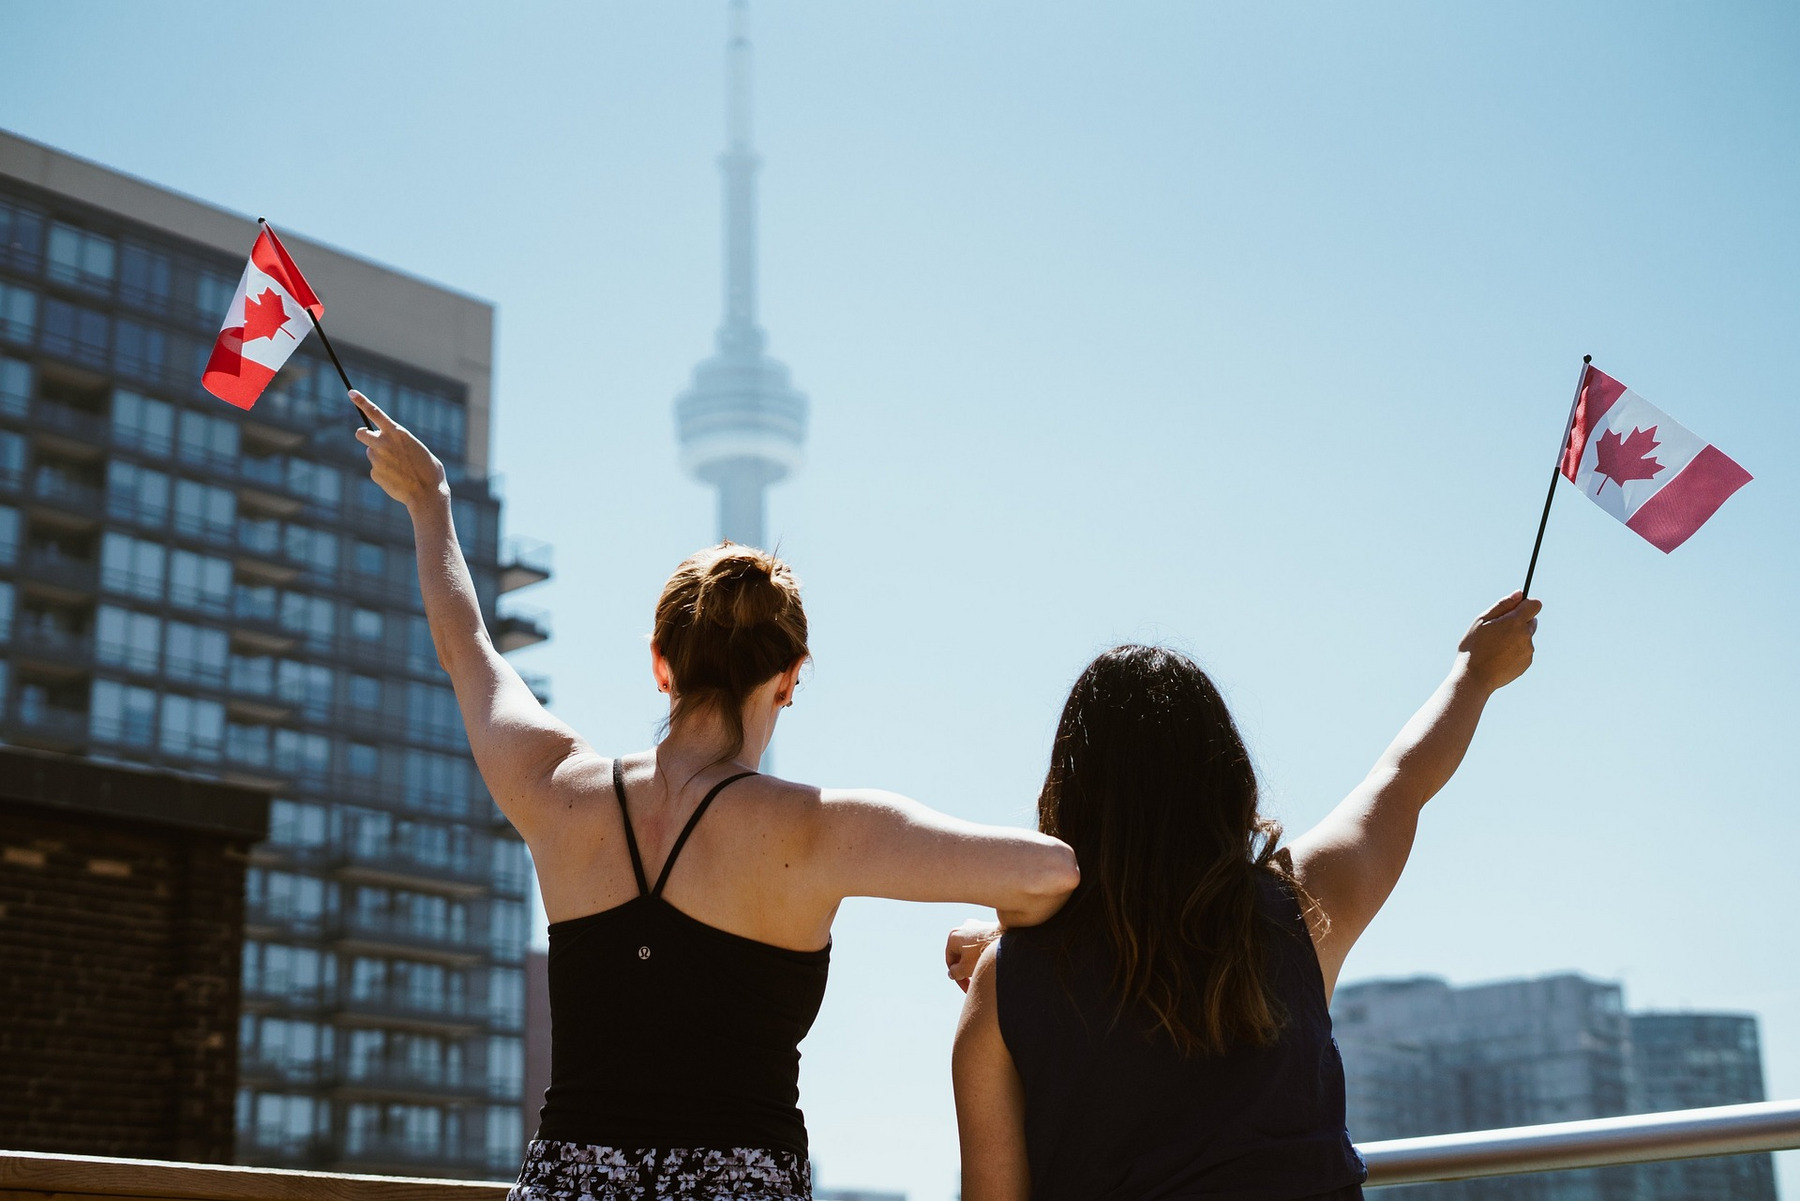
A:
(1152, 786)
(728, 621)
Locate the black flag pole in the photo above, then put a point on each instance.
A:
(348, 386)
(1561, 449)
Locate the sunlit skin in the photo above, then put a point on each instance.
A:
(772, 860)
(1349, 863)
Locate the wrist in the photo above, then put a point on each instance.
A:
(430, 502)
(1467, 673)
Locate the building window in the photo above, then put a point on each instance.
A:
(506, 929)
(144, 424)
(18, 313)
(6, 619)
(192, 728)
(84, 259)
(12, 459)
(317, 549)
(254, 674)
(510, 870)
(208, 441)
(121, 713)
(431, 711)
(213, 293)
(506, 997)
(132, 566)
(247, 743)
(311, 616)
(75, 332)
(365, 693)
(285, 896)
(136, 494)
(289, 1123)
(205, 511)
(421, 651)
(144, 276)
(319, 484)
(15, 387)
(196, 654)
(437, 783)
(200, 582)
(505, 1066)
(9, 536)
(302, 754)
(363, 760)
(366, 625)
(505, 1136)
(278, 970)
(296, 824)
(307, 685)
(21, 236)
(370, 559)
(126, 639)
(140, 350)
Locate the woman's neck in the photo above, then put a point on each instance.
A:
(702, 739)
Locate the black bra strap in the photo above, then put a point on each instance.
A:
(669, 863)
(637, 864)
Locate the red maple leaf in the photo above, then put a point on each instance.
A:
(264, 315)
(1628, 458)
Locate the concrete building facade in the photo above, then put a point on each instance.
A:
(225, 593)
(1423, 1057)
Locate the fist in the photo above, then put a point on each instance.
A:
(1498, 646)
(962, 950)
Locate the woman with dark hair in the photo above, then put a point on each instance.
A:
(687, 956)
(1166, 1035)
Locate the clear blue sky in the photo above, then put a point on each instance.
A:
(1248, 328)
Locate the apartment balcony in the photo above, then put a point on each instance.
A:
(69, 430)
(399, 1082)
(60, 576)
(359, 932)
(520, 628)
(50, 650)
(395, 866)
(47, 726)
(523, 562)
(397, 1157)
(66, 502)
(445, 1016)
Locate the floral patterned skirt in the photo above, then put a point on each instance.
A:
(558, 1171)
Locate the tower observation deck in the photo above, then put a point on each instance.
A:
(741, 424)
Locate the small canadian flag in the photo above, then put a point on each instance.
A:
(1646, 470)
(266, 321)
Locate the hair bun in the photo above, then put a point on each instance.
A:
(743, 588)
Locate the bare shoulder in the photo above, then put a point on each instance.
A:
(575, 809)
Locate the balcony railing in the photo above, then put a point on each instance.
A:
(520, 627)
(63, 571)
(524, 562)
(1596, 1143)
(93, 1177)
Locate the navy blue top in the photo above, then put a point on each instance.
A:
(668, 1032)
(1113, 1112)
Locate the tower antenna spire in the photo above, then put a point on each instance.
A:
(741, 424)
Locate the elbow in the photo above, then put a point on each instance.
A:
(1053, 876)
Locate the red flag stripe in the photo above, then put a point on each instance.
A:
(230, 376)
(1599, 393)
(271, 258)
(1682, 505)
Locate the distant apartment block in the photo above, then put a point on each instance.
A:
(226, 594)
(1423, 1057)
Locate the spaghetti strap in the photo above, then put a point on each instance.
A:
(674, 851)
(637, 863)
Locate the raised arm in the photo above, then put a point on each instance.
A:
(518, 746)
(1351, 861)
(879, 844)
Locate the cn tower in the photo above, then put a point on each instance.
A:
(741, 423)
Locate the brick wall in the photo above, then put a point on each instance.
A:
(120, 942)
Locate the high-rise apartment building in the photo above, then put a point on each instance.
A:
(1422, 1057)
(227, 594)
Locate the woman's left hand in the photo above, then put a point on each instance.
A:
(399, 462)
(962, 950)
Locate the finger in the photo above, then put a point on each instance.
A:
(1503, 606)
(367, 438)
(371, 410)
(1531, 626)
(1526, 610)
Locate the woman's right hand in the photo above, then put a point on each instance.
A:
(1497, 649)
(962, 950)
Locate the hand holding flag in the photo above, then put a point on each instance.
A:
(400, 464)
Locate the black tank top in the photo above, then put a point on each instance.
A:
(668, 1032)
(1113, 1111)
